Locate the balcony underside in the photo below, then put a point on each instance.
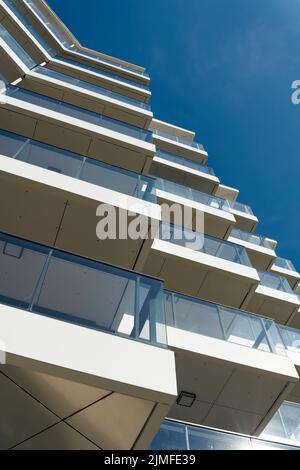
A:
(198, 274)
(280, 306)
(244, 221)
(185, 176)
(60, 211)
(235, 386)
(75, 135)
(66, 397)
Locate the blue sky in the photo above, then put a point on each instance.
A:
(224, 69)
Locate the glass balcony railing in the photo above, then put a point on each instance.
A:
(291, 339)
(285, 264)
(171, 157)
(75, 165)
(285, 424)
(16, 48)
(224, 323)
(41, 40)
(238, 206)
(250, 237)
(80, 291)
(204, 243)
(176, 435)
(79, 113)
(50, 25)
(100, 59)
(180, 140)
(274, 282)
(192, 194)
(90, 87)
(102, 72)
(62, 38)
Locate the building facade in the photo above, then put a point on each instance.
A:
(128, 342)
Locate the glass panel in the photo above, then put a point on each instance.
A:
(16, 48)
(171, 436)
(205, 439)
(102, 72)
(212, 246)
(274, 282)
(20, 266)
(81, 291)
(181, 140)
(89, 86)
(290, 414)
(285, 264)
(229, 324)
(250, 237)
(238, 206)
(29, 26)
(291, 339)
(275, 428)
(51, 158)
(192, 194)
(10, 143)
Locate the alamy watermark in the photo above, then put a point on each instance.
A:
(295, 97)
(139, 221)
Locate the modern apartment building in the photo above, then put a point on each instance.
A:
(128, 343)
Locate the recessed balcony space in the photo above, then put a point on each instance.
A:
(87, 96)
(96, 76)
(285, 268)
(80, 306)
(173, 435)
(284, 426)
(259, 249)
(200, 265)
(76, 129)
(184, 171)
(245, 219)
(217, 219)
(242, 357)
(51, 196)
(179, 145)
(25, 32)
(274, 298)
(16, 61)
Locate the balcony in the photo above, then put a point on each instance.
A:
(245, 219)
(76, 129)
(259, 249)
(78, 306)
(241, 356)
(176, 435)
(55, 193)
(285, 425)
(285, 267)
(184, 171)
(200, 265)
(291, 339)
(274, 298)
(111, 81)
(88, 96)
(15, 60)
(69, 46)
(217, 219)
(176, 144)
(23, 24)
